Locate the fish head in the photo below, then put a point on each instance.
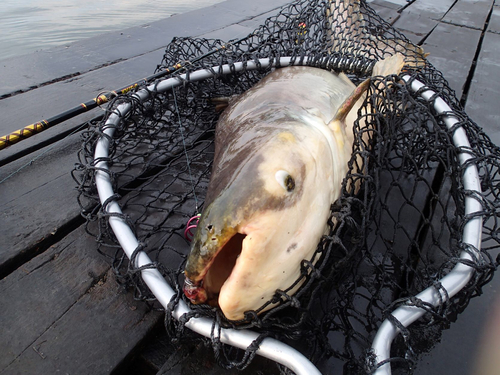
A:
(263, 222)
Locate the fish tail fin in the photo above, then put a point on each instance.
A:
(347, 19)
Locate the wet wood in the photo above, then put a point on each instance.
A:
(494, 23)
(159, 356)
(45, 185)
(415, 25)
(31, 71)
(37, 202)
(47, 83)
(434, 9)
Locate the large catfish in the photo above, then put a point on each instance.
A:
(281, 153)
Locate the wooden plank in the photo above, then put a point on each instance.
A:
(189, 357)
(484, 93)
(469, 13)
(469, 330)
(434, 9)
(393, 4)
(494, 23)
(108, 324)
(56, 98)
(92, 337)
(259, 20)
(50, 100)
(421, 17)
(237, 31)
(415, 25)
(40, 292)
(189, 361)
(482, 100)
(38, 201)
(53, 99)
(452, 49)
(387, 10)
(64, 312)
(41, 200)
(47, 186)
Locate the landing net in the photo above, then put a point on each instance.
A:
(396, 236)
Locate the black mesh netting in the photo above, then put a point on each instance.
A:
(400, 233)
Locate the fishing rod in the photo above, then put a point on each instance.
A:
(40, 126)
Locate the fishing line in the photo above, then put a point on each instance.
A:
(185, 150)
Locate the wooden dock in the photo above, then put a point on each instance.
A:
(61, 308)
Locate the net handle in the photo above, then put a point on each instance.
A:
(460, 275)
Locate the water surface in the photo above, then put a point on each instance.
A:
(30, 25)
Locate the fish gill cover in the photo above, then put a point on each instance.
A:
(398, 226)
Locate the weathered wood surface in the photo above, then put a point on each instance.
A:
(37, 203)
(469, 13)
(165, 359)
(419, 18)
(21, 74)
(389, 11)
(62, 311)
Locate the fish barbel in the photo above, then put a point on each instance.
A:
(281, 153)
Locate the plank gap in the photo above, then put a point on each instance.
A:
(468, 82)
(422, 41)
(460, 25)
(12, 264)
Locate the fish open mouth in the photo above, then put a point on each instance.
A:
(222, 266)
(217, 273)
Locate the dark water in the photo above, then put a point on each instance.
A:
(31, 25)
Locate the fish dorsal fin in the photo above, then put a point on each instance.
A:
(347, 105)
(338, 125)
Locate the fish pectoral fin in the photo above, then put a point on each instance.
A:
(221, 103)
(349, 103)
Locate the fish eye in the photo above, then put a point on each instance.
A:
(285, 180)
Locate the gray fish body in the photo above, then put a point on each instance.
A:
(279, 162)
